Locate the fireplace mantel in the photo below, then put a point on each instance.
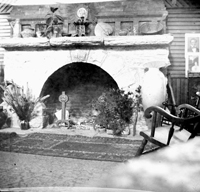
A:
(93, 41)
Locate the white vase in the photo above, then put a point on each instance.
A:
(16, 28)
(153, 88)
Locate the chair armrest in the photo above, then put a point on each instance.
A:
(188, 107)
(180, 121)
(170, 117)
(161, 111)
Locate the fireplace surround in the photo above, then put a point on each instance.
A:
(124, 59)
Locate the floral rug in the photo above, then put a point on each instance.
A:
(70, 146)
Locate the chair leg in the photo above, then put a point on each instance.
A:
(141, 148)
(195, 131)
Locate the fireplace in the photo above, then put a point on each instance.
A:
(83, 83)
(82, 66)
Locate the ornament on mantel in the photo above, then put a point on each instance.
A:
(82, 23)
(103, 29)
(16, 28)
(28, 32)
(123, 32)
(133, 31)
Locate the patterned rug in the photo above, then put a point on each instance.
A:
(78, 147)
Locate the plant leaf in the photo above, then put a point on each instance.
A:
(49, 15)
(59, 18)
(49, 21)
(53, 9)
(55, 21)
(49, 29)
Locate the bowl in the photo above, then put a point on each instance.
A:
(151, 28)
(123, 33)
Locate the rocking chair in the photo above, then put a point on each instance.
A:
(180, 129)
(177, 123)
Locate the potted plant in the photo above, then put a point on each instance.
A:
(52, 23)
(115, 109)
(22, 104)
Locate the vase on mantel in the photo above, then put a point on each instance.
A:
(16, 28)
(153, 88)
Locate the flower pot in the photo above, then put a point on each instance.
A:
(45, 120)
(56, 31)
(3, 117)
(25, 125)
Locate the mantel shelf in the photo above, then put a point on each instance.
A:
(110, 41)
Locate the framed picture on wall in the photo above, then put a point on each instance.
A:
(193, 63)
(193, 44)
(192, 53)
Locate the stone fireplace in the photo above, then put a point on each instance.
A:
(82, 66)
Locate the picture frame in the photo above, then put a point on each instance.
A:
(192, 53)
(193, 63)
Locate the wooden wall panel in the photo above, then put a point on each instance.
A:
(179, 22)
(4, 26)
(193, 87)
(4, 33)
(180, 89)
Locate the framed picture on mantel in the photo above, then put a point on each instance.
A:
(192, 53)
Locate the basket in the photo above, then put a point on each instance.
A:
(151, 28)
(28, 32)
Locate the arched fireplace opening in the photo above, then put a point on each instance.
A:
(82, 82)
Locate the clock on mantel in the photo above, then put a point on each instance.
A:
(82, 13)
(82, 22)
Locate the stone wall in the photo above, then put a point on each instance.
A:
(123, 58)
